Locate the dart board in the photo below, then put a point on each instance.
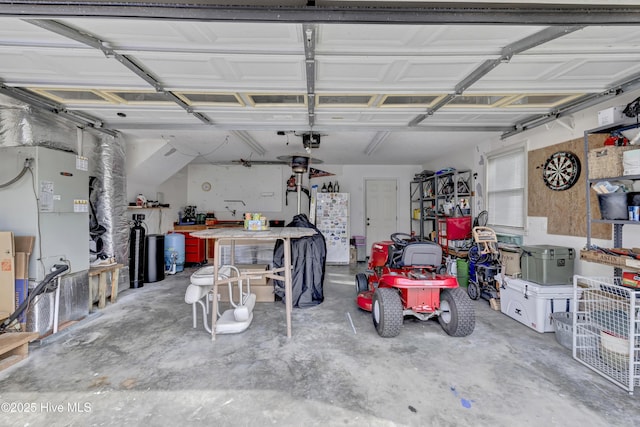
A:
(561, 170)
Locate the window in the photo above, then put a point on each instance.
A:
(413, 100)
(277, 99)
(336, 100)
(507, 189)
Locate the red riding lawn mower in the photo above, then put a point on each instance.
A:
(402, 280)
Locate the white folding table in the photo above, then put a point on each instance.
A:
(233, 235)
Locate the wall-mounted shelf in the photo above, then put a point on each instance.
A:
(611, 260)
(593, 256)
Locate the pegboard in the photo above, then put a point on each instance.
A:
(565, 210)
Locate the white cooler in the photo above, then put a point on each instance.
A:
(532, 304)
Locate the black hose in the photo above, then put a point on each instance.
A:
(57, 270)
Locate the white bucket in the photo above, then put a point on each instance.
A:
(631, 162)
(452, 267)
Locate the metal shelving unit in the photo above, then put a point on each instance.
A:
(430, 195)
(617, 224)
(423, 206)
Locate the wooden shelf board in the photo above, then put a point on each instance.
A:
(611, 260)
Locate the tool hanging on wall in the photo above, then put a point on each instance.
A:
(292, 187)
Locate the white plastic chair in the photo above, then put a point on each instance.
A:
(234, 320)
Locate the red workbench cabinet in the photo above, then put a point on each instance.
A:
(194, 249)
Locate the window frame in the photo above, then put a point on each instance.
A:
(518, 148)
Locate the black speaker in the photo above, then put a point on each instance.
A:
(154, 263)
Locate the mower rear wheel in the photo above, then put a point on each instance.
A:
(387, 312)
(362, 284)
(473, 290)
(457, 317)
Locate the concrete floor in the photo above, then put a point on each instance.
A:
(140, 362)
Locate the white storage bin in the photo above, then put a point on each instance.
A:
(532, 304)
(611, 115)
(631, 162)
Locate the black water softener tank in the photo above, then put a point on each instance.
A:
(154, 261)
(136, 252)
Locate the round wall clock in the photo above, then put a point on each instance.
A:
(561, 170)
(206, 186)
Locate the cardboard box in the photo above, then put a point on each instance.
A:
(260, 285)
(23, 248)
(631, 280)
(258, 278)
(7, 274)
(264, 293)
(611, 115)
(510, 261)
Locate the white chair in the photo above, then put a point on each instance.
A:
(232, 321)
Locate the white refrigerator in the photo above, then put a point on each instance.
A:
(332, 219)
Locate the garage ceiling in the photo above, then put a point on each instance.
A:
(381, 83)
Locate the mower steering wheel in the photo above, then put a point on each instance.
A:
(401, 239)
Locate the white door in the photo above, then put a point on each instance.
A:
(380, 210)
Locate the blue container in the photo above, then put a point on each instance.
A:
(174, 247)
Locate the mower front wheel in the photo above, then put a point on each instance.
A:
(362, 284)
(473, 290)
(457, 315)
(387, 312)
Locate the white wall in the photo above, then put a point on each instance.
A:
(353, 179)
(350, 177)
(184, 188)
(572, 127)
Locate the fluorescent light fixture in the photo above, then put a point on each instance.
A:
(252, 143)
(375, 142)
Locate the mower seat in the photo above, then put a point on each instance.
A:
(395, 256)
(421, 254)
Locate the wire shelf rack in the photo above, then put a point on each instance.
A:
(606, 329)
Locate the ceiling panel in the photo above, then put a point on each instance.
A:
(475, 118)
(259, 117)
(172, 36)
(396, 119)
(235, 72)
(63, 67)
(595, 39)
(16, 32)
(390, 74)
(418, 40)
(143, 117)
(332, 58)
(572, 73)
